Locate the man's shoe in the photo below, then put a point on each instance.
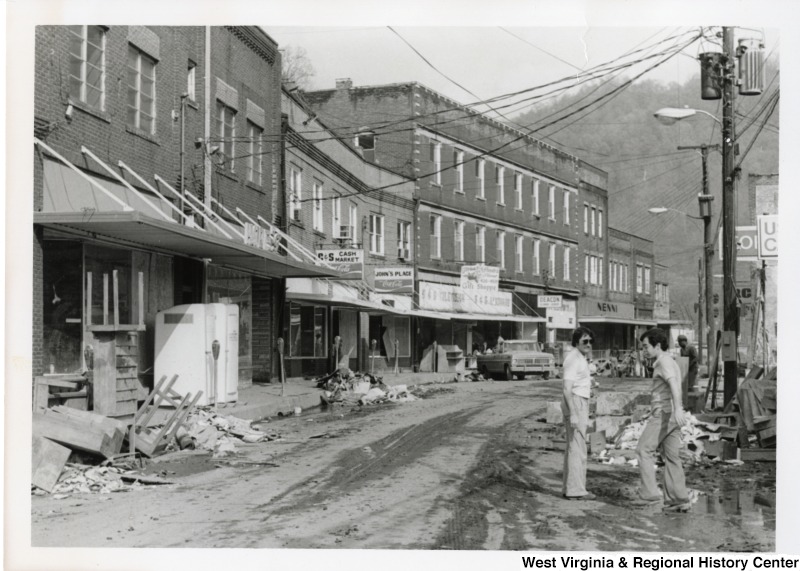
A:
(681, 506)
(644, 502)
(586, 496)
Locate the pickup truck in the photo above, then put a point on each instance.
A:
(517, 359)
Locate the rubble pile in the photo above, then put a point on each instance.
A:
(346, 388)
(86, 479)
(207, 429)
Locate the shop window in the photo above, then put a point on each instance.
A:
(307, 327)
(102, 261)
(62, 307)
(385, 329)
(230, 287)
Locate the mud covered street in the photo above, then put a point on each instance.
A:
(462, 469)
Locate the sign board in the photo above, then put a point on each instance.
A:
(746, 243)
(564, 317)
(480, 277)
(349, 261)
(546, 301)
(768, 236)
(259, 237)
(394, 280)
(589, 307)
(445, 297)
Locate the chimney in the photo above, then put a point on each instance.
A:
(344, 83)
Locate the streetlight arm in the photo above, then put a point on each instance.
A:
(661, 210)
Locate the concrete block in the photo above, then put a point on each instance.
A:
(554, 414)
(611, 424)
(722, 449)
(614, 403)
(597, 442)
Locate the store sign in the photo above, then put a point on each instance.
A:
(547, 301)
(451, 298)
(600, 308)
(746, 243)
(259, 237)
(349, 261)
(768, 236)
(480, 277)
(564, 317)
(394, 280)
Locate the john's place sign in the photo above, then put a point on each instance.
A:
(394, 280)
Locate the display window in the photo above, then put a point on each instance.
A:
(231, 287)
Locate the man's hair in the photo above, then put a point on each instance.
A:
(580, 332)
(683, 338)
(655, 336)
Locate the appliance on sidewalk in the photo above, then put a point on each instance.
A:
(200, 343)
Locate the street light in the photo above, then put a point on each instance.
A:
(671, 115)
(662, 210)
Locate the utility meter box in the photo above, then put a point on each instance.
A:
(200, 343)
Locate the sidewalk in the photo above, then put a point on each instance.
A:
(264, 400)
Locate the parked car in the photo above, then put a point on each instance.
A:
(517, 359)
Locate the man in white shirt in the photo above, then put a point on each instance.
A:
(663, 429)
(575, 407)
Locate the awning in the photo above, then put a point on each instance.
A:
(362, 304)
(622, 320)
(673, 322)
(477, 316)
(137, 230)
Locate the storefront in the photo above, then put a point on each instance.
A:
(615, 324)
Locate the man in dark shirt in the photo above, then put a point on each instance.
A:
(689, 351)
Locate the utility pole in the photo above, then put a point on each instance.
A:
(731, 311)
(700, 310)
(708, 252)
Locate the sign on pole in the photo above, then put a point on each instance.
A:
(349, 261)
(746, 243)
(768, 236)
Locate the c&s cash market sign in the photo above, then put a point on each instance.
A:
(349, 261)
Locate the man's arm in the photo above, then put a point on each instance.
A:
(570, 375)
(672, 376)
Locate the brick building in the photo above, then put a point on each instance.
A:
(126, 118)
(486, 194)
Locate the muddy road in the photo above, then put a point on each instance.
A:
(462, 469)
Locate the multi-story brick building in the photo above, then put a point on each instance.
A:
(341, 206)
(126, 118)
(486, 194)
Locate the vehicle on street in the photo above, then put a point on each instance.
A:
(517, 359)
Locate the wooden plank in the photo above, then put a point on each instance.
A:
(115, 278)
(49, 459)
(141, 299)
(92, 418)
(105, 299)
(75, 434)
(757, 454)
(89, 299)
(126, 360)
(105, 374)
(127, 383)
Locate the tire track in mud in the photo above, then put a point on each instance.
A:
(356, 467)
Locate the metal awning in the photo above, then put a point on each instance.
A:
(137, 230)
(622, 320)
(477, 316)
(362, 304)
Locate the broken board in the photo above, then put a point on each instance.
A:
(49, 459)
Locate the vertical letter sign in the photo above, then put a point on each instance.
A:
(768, 236)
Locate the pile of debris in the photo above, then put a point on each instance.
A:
(87, 479)
(348, 388)
(206, 429)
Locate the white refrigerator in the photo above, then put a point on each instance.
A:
(200, 343)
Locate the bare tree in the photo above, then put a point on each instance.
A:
(297, 67)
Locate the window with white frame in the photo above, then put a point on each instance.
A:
(376, 238)
(191, 81)
(600, 263)
(586, 264)
(535, 196)
(354, 222)
(647, 279)
(317, 218)
(551, 203)
(566, 263)
(336, 217)
(480, 244)
(141, 90)
(295, 192)
(501, 248)
(536, 263)
(594, 216)
(436, 236)
(612, 269)
(87, 65)
(566, 207)
(518, 190)
(600, 223)
(625, 279)
(404, 240)
(255, 153)
(639, 278)
(458, 241)
(226, 131)
(436, 157)
(593, 270)
(518, 243)
(480, 172)
(500, 176)
(458, 160)
(585, 218)
(552, 260)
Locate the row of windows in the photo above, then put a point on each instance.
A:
(500, 248)
(592, 220)
(642, 278)
(618, 277)
(499, 175)
(87, 84)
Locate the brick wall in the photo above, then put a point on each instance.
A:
(263, 344)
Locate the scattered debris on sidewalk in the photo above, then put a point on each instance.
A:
(84, 479)
(206, 429)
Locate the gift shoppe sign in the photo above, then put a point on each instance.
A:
(452, 298)
(480, 277)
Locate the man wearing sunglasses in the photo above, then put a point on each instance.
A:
(575, 407)
(663, 429)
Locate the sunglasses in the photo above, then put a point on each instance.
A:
(586, 341)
